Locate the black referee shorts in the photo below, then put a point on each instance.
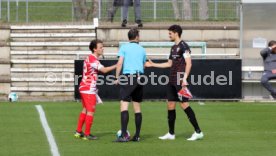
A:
(131, 92)
(172, 90)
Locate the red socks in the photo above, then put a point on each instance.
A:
(81, 122)
(88, 123)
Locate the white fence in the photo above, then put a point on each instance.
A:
(152, 10)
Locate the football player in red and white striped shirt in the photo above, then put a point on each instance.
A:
(88, 89)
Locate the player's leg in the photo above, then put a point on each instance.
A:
(124, 117)
(172, 98)
(171, 116)
(192, 118)
(81, 120)
(125, 96)
(90, 104)
(138, 121)
(171, 121)
(267, 75)
(184, 103)
(137, 97)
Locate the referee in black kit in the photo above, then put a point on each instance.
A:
(132, 58)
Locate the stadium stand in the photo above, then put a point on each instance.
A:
(40, 53)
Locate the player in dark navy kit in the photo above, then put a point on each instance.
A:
(180, 64)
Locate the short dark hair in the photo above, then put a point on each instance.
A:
(271, 43)
(133, 33)
(93, 44)
(176, 29)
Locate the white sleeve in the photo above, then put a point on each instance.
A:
(97, 65)
(100, 66)
(187, 54)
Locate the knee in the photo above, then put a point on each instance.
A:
(90, 113)
(137, 108)
(137, 3)
(184, 105)
(126, 2)
(84, 110)
(264, 80)
(171, 106)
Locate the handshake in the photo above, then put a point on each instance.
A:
(168, 64)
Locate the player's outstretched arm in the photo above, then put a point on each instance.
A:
(108, 69)
(119, 66)
(159, 65)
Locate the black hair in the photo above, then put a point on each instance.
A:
(176, 29)
(133, 33)
(93, 44)
(271, 43)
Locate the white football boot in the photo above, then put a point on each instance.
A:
(167, 136)
(196, 136)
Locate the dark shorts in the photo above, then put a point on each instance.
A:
(172, 90)
(131, 92)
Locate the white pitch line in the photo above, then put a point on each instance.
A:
(48, 132)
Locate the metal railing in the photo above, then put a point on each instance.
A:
(152, 10)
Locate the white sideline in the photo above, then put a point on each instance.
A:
(48, 132)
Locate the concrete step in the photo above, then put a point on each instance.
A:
(66, 76)
(111, 51)
(51, 35)
(30, 66)
(44, 57)
(43, 61)
(41, 84)
(30, 31)
(49, 80)
(162, 34)
(49, 44)
(5, 78)
(45, 96)
(52, 39)
(47, 52)
(43, 89)
(75, 48)
(50, 93)
(51, 27)
(37, 70)
(212, 43)
(4, 97)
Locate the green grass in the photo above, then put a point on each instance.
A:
(231, 129)
(62, 12)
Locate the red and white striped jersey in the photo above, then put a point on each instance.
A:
(91, 66)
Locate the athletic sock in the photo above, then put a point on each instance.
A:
(138, 123)
(88, 124)
(81, 122)
(171, 120)
(192, 118)
(124, 122)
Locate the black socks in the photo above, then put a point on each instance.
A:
(124, 122)
(192, 118)
(138, 123)
(171, 120)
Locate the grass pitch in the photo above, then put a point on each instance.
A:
(238, 129)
